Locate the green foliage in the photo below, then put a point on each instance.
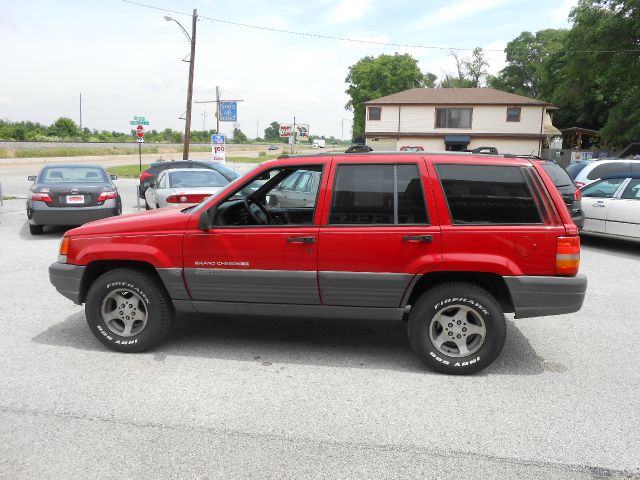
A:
(239, 136)
(64, 127)
(374, 77)
(272, 132)
(470, 71)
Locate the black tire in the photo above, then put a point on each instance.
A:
(147, 299)
(36, 229)
(451, 346)
(146, 205)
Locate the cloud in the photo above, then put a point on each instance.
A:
(560, 15)
(455, 11)
(347, 10)
(155, 83)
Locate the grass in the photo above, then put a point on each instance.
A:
(72, 152)
(8, 197)
(133, 171)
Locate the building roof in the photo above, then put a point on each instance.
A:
(455, 96)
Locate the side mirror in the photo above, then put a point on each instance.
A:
(113, 177)
(206, 219)
(32, 178)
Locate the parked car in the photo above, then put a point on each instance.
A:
(71, 194)
(448, 242)
(183, 185)
(411, 148)
(570, 192)
(273, 147)
(147, 177)
(574, 168)
(604, 168)
(612, 207)
(358, 148)
(299, 190)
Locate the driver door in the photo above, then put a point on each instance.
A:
(254, 263)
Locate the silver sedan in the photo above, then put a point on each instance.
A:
(183, 186)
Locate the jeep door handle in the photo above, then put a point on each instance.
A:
(418, 238)
(301, 240)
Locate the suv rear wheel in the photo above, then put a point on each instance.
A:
(457, 328)
(128, 310)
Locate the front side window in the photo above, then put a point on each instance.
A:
(375, 113)
(267, 199)
(513, 114)
(453, 117)
(488, 194)
(378, 195)
(603, 188)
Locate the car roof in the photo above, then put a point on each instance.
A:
(173, 170)
(82, 165)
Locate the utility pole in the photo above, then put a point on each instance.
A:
(217, 109)
(192, 59)
(81, 111)
(294, 134)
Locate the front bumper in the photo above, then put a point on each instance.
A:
(540, 296)
(67, 279)
(42, 214)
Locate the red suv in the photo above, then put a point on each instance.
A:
(448, 242)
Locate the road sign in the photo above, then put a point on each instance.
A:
(285, 130)
(217, 148)
(140, 131)
(139, 121)
(228, 111)
(217, 138)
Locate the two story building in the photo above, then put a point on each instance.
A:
(453, 119)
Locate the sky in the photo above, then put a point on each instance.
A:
(126, 60)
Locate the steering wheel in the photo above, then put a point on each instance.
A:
(268, 219)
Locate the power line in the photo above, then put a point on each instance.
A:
(356, 40)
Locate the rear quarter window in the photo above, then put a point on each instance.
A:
(558, 175)
(488, 194)
(612, 168)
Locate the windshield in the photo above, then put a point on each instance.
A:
(196, 178)
(72, 174)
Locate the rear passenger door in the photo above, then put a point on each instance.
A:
(597, 198)
(623, 217)
(377, 231)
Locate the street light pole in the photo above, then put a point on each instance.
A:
(192, 59)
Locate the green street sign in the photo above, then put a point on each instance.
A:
(138, 121)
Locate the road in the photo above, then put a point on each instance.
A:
(266, 398)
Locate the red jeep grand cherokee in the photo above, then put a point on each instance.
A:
(449, 241)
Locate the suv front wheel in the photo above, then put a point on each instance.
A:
(128, 310)
(457, 328)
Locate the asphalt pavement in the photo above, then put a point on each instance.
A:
(258, 397)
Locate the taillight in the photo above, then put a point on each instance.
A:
(187, 198)
(577, 195)
(567, 255)
(109, 195)
(64, 249)
(41, 197)
(145, 175)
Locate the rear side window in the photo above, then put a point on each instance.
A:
(378, 195)
(612, 168)
(488, 194)
(574, 169)
(632, 190)
(603, 188)
(558, 175)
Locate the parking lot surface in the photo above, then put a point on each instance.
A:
(256, 397)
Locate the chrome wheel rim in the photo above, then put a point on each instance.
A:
(457, 331)
(124, 312)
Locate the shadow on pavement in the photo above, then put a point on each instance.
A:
(51, 231)
(319, 342)
(612, 246)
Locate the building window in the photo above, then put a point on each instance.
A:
(513, 114)
(374, 113)
(453, 117)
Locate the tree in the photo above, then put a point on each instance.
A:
(272, 132)
(239, 136)
(64, 127)
(469, 71)
(375, 77)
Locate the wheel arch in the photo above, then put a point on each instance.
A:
(491, 282)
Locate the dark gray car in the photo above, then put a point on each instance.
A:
(71, 194)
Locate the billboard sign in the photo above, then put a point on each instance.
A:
(302, 132)
(285, 130)
(228, 111)
(217, 148)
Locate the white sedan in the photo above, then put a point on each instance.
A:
(177, 186)
(611, 207)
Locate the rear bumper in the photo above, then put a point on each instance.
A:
(67, 279)
(45, 215)
(541, 296)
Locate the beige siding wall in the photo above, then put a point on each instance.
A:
(382, 144)
(517, 147)
(486, 119)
